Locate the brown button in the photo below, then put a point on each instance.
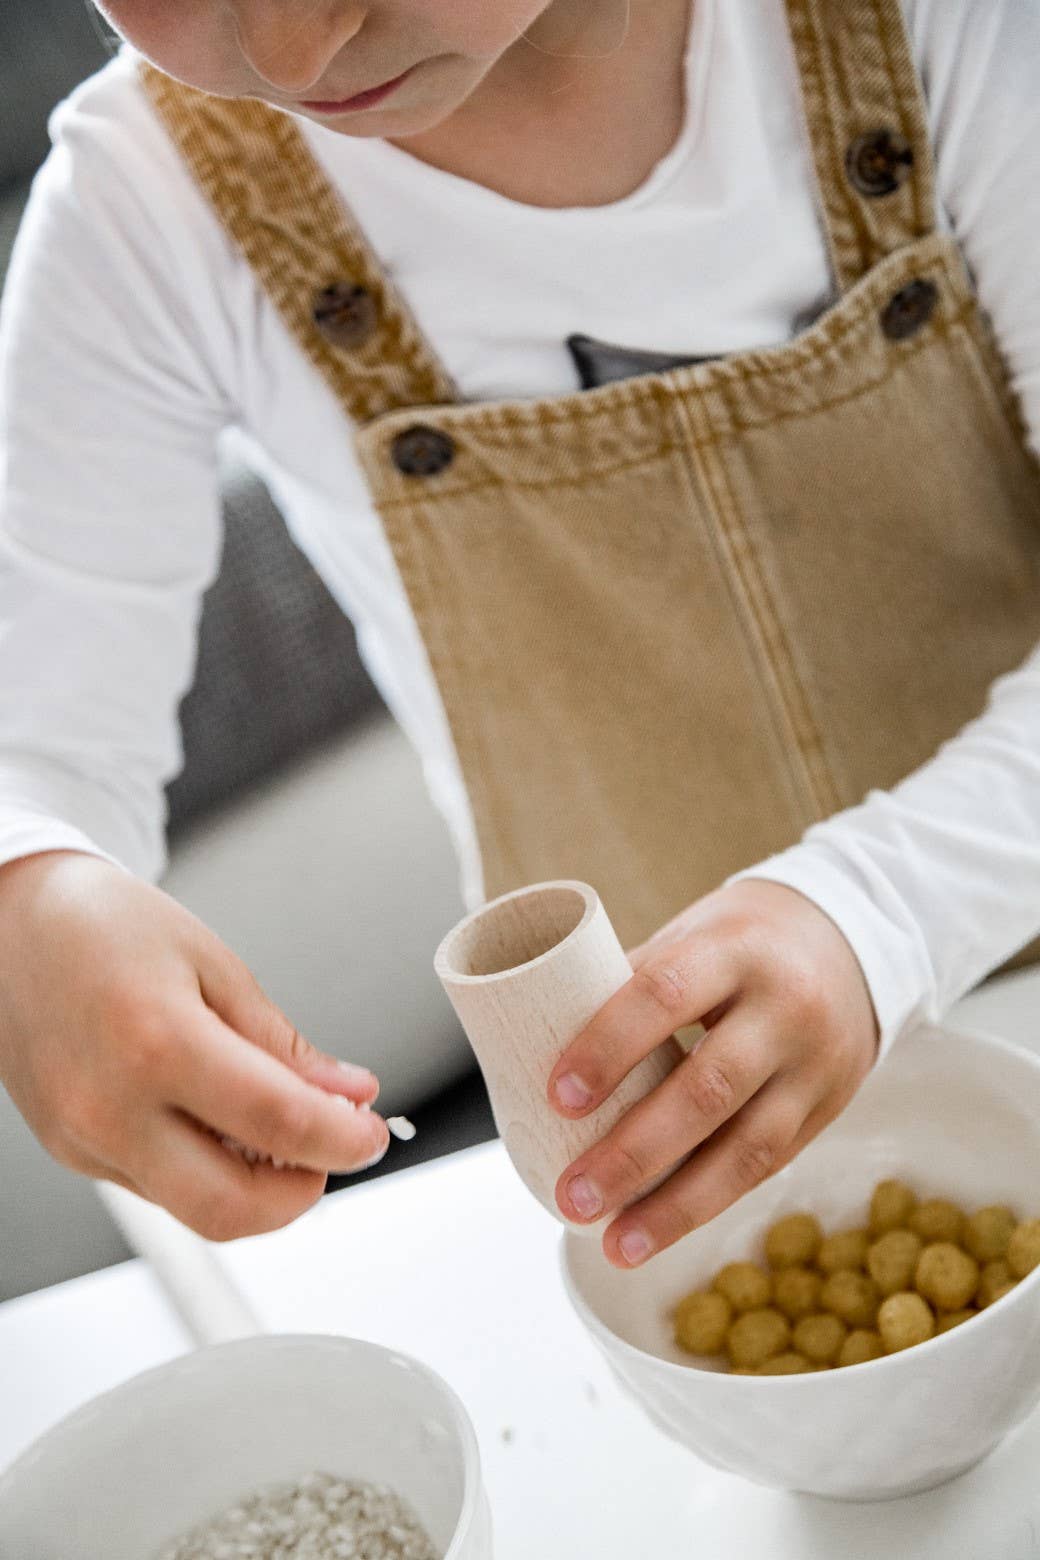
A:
(879, 162)
(910, 309)
(346, 315)
(422, 452)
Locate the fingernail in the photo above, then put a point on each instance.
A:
(572, 1093)
(584, 1197)
(636, 1246)
(354, 1073)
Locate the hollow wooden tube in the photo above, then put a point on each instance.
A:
(525, 974)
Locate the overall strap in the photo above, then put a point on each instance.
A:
(867, 121)
(273, 198)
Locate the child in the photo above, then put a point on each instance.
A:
(619, 367)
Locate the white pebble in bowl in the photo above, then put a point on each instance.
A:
(316, 1517)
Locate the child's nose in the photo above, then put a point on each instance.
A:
(292, 45)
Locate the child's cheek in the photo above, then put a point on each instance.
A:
(474, 28)
(193, 40)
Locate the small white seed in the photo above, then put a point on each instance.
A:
(401, 1128)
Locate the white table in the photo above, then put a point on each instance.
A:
(66, 1344)
(455, 1263)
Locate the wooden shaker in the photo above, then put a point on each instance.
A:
(525, 974)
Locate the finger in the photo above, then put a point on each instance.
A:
(215, 1192)
(104, 1173)
(233, 992)
(729, 1067)
(689, 921)
(95, 1169)
(675, 988)
(242, 1092)
(754, 1144)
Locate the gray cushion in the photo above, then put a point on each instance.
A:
(46, 48)
(278, 668)
(12, 200)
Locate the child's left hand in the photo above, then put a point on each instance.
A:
(791, 1036)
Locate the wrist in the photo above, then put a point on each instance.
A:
(25, 874)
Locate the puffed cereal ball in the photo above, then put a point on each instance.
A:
(845, 1250)
(994, 1281)
(796, 1292)
(936, 1220)
(903, 1321)
(853, 1297)
(988, 1232)
(757, 1335)
(947, 1276)
(890, 1207)
(820, 1337)
(702, 1321)
(946, 1320)
(794, 1241)
(892, 1260)
(1023, 1252)
(789, 1364)
(860, 1346)
(745, 1285)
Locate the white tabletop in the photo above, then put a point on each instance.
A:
(454, 1262)
(457, 1264)
(68, 1343)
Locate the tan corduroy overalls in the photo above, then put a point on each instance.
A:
(678, 618)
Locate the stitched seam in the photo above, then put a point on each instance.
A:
(844, 114)
(800, 723)
(931, 334)
(790, 359)
(739, 425)
(850, 265)
(406, 501)
(470, 752)
(907, 120)
(761, 666)
(893, 35)
(801, 28)
(199, 127)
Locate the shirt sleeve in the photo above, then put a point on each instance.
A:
(937, 882)
(112, 397)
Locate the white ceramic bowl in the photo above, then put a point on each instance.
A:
(954, 1115)
(171, 1448)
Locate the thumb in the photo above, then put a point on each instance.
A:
(236, 996)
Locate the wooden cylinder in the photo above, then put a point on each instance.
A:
(526, 973)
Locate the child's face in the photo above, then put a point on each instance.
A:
(290, 51)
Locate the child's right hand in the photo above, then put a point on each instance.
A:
(131, 1039)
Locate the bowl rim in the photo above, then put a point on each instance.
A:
(572, 1236)
(340, 1343)
(796, 1381)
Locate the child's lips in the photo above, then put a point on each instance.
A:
(364, 99)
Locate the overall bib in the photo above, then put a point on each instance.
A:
(677, 618)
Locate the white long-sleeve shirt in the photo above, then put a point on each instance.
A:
(133, 336)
